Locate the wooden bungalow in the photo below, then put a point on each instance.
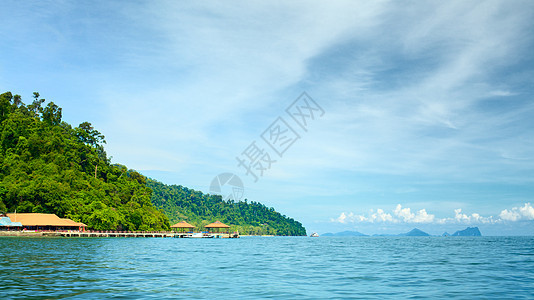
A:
(182, 227)
(218, 227)
(45, 222)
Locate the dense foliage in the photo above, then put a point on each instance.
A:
(47, 166)
(181, 203)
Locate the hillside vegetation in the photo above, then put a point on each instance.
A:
(47, 166)
(181, 203)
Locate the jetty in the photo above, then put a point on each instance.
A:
(50, 225)
(150, 234)
(116, 234)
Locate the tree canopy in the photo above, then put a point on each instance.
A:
(181, 203)
(49, 167)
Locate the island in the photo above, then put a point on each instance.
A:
(469, 231)
(50, 167)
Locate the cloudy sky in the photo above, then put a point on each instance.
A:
(422, 112)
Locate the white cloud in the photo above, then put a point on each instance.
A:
(351, 218)
(509, 215)
(381, 216)
(342, 218)
(526, 212)
(405, 215)
(399, 215)
(460, 217)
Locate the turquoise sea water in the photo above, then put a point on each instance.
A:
(267, 267)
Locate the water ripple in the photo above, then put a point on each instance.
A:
(282, 267)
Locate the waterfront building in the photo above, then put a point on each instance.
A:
(218, 227)
(45, 222)
(182, 227)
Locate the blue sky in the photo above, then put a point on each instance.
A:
(427, 105)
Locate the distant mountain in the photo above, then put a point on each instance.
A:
(415, 232)
(345, 233)
(469, 231)
(350, 233)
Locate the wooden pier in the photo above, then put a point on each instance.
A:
(118, 234)
(124, 234)
(154, 234)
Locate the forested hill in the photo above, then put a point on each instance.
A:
(47, 166)
(180, 203)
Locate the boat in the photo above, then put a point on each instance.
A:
(314, 234)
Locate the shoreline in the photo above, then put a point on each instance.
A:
(29, 234)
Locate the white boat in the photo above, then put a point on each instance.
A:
(314, 234)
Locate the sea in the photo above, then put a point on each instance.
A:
(267, 268)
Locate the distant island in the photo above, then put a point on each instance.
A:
(51, 167)
(469, 231)
(415, 232)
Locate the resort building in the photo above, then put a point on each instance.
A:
(214, 230)
(182, 226)
(45, 222)
(217, 227)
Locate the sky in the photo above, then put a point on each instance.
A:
(374, 116)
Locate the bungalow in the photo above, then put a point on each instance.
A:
(45, 222)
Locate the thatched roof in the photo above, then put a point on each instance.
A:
(182, 224)
(70, 222)
(35, 219)
(217, 224)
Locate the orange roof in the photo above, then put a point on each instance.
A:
(35, 219)
(182, 224)
(73, 223)
(217, 224)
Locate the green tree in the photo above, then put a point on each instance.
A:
(47, 166)
(52, 114)
(181, 203)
